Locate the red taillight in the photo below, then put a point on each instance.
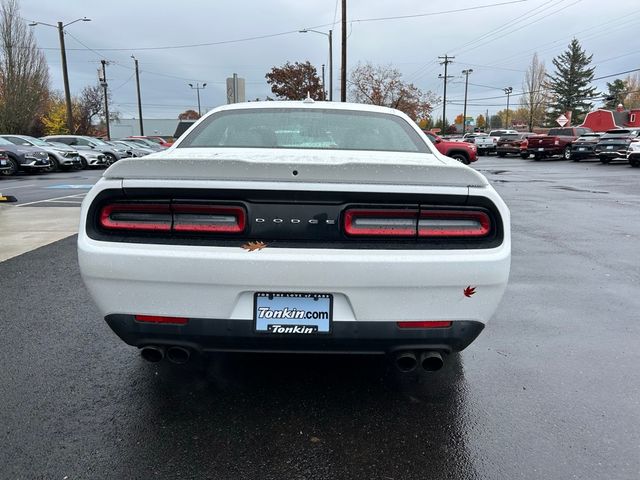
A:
(182, 218)
(164, 320)
(381, 222)
(427, 324)
(145, 217)
(453, 223)
(416, 223)
(205, 218)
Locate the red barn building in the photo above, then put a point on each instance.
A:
(603, 120)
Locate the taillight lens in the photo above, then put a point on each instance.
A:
(183, 218)
(144, 217)
(453, 223)
(205, 218)
(412, 223)
(381, 222)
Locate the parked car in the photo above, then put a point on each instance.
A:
(556, 142)
(143, 142)
(471, 137)
(461, 151)
(584, 146)
(614, 144)
(296, 227)
(24, 158)
(88, 156)
(111, 154)
(511, 143)
(59, 158)
(488, 144)
(155, 139)
(135, 149)
(633, 154)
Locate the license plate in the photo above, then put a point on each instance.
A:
(609, 147)
(582, 149)
(541, 149)
(3, 163)
(293, 313)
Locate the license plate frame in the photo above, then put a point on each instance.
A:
(292, 313)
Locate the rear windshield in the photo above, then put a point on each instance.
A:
(316, 129)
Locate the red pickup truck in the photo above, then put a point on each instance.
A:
(556, 142)
(462, 151)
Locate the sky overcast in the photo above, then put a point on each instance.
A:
(497, 42)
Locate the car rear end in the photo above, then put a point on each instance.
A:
(614, 145)
(295, 251)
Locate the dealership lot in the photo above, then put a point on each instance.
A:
(549, 390)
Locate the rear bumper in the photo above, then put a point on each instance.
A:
(210, 335)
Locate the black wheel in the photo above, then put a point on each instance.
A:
(502, 154)
(566, 154)
(537, 156)
(635, 163)
(53, 164)
(524, 155)
(83, 164)
(604, 159)
(110, 159)
(15, 166)
(462, 158)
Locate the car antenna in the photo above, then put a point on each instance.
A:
(308, 99)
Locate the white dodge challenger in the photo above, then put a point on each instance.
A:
(296, 227)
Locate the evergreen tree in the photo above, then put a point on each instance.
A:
(570, 86)
(616, 94)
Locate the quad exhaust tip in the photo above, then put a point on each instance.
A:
(151, 353)
(175, 354)
(408, 361)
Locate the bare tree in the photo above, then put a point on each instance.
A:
(535, 97)
(383, 85)
(24, 74)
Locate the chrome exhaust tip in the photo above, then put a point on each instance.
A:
(431, 361)
(152, 353)
(179, 355)
(406, 361)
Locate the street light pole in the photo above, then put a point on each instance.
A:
(105, 85)
(464, 114)
(330, 37)
(65, 74)
(343, 66)
(197, 88)
(139, 98)
(508, 91)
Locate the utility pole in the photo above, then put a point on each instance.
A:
(65, 74)
(343, 79)
(446, 61)
(139, 99)
(508, 91)
(105, 85)
(464, 114)
(486, 121)
(324, 90)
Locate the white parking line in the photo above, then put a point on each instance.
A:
(62, 201)
(51, 199)
(2, 187)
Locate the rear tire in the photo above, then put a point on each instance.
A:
(83, 164)
(566, 154)
(605, 160)
(524, 155)
(110, 159)
(634, 163)
(502, 154)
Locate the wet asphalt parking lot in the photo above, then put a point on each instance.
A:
(550, 390)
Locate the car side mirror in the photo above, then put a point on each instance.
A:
(437, 140)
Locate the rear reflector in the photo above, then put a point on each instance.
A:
(183, 218)
(453, 223)
(381, 222)
(165, 320)
(430, 324)
(146, 217)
